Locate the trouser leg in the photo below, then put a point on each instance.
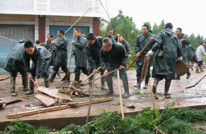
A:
(167, 86)
(31, 82)
(13, 75)
(147, 78)
(154, 88)
(77, 73)
(54, 72)
(110, 84)
(138, 74)
(24, 80)
(123, 75)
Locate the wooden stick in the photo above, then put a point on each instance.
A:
(158, 129)
(89, 76)
(140, 53)
(90, 100)
(196, 82)
(120, 94)
(55, 108)
(100, 77)
(152, 96)
(68, 73)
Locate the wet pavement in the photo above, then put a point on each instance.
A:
(194, 97)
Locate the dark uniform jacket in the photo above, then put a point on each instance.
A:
(126, 46)
(141, 41)
(15, 58)
(60, 51)
(93, 53)
(38, 59)
(114, 58)
(185, 47)
(164, 67)
(80, 51)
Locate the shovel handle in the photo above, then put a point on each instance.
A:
(90, 75)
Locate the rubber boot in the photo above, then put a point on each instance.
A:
(53, 75)
(146, 83)
(126, 89)
(25, 83)
(102, 84)
(188, 75)
(154, 88)
(46, 81)
(201, 68)
(197, 69)
(167, 86)
(12, 84)
(76, 78)
(110, 85)
(31, 88)
(138, 84)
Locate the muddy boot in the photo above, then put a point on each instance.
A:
(31, 88)
(46, 81)
(167, 86)
(126, 94)
(188, 75)
(67, 80)
(111, 91)
(53, 75)
(12, 84)
(76, 78)
(154, 88)
(126, 88)
(25, 83)
(146, 83)
(102, 84)
(201, 68)
(138, 84)
(197, 69)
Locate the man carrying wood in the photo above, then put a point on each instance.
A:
(141, 41)
(112, 56)
(15, 64)
(60, 59)
(93, 48)
(167, 50)
(80, 54)
(185, 46)
(41, 60)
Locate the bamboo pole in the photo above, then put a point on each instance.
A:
(120, 94)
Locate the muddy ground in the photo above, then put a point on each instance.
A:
(140, 98)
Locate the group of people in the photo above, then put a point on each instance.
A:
(104, 53)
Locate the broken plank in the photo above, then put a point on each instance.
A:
(44, 99)
(55, 108)
(13, 101)
(26, 96)
(49, 92)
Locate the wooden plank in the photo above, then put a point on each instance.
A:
(65, 97)
(55, 108)
(44, 99)
(49, 92)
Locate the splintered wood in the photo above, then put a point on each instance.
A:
(44, 99)
(55, 108)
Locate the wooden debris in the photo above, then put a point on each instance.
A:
(13, 94)
(2, 79)
(46, 100)
(55, 108)
(26, 96)
(49, 92)
(2, 104)
(14, 101)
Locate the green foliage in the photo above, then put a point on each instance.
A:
(75, 129)
(63, 91)
(170, 121)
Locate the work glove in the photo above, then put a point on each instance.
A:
(150, 53)
(180, 58)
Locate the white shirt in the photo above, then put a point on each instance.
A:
(200, 52)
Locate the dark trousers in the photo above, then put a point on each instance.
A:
(45, 72)
(78, 70)
(200, 63)
(139, 71)
(64, 68)
(22, 72)
(123, 76)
